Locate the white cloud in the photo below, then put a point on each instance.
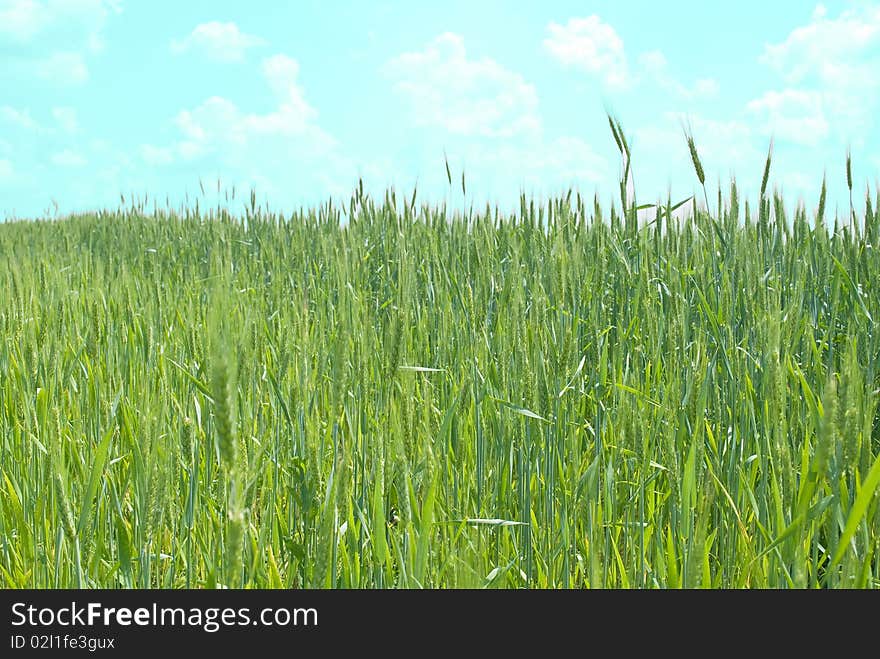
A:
(654, 64)
(706, 87)
(218, 121)
(535, 166)
(590, 45)
(593, 46)
(66, 119)
(294, 115)
(564, 160)
(792, 181)
(223, 42)
(218, 127)
(51, 38)
(726, 147)
(20, 118)
(827, 47)
(281, 73)
(21, 21)
(214, 121)
(464, 96)
(282, 150)
(722, 142)
(61, 68)
(653, 61)
(714, 138)
(838, 57)
(68, 158)
(154, 155)
(792, 114)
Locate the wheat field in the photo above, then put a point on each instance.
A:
(383, 393)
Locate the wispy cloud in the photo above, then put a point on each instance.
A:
(837, 58)
(655, 66)
(68, 158)
(22, 21)
(726, 146)
(61, 68)
(154, 155)
(223, 42)
(50, 40)
(792, 114)
(18, 118)
(217, 127)
(66, 118)
(590, 45)
(465, 96)
(561, 162)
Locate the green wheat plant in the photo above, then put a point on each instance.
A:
(372, 393)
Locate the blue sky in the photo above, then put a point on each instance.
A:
(105, 97)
